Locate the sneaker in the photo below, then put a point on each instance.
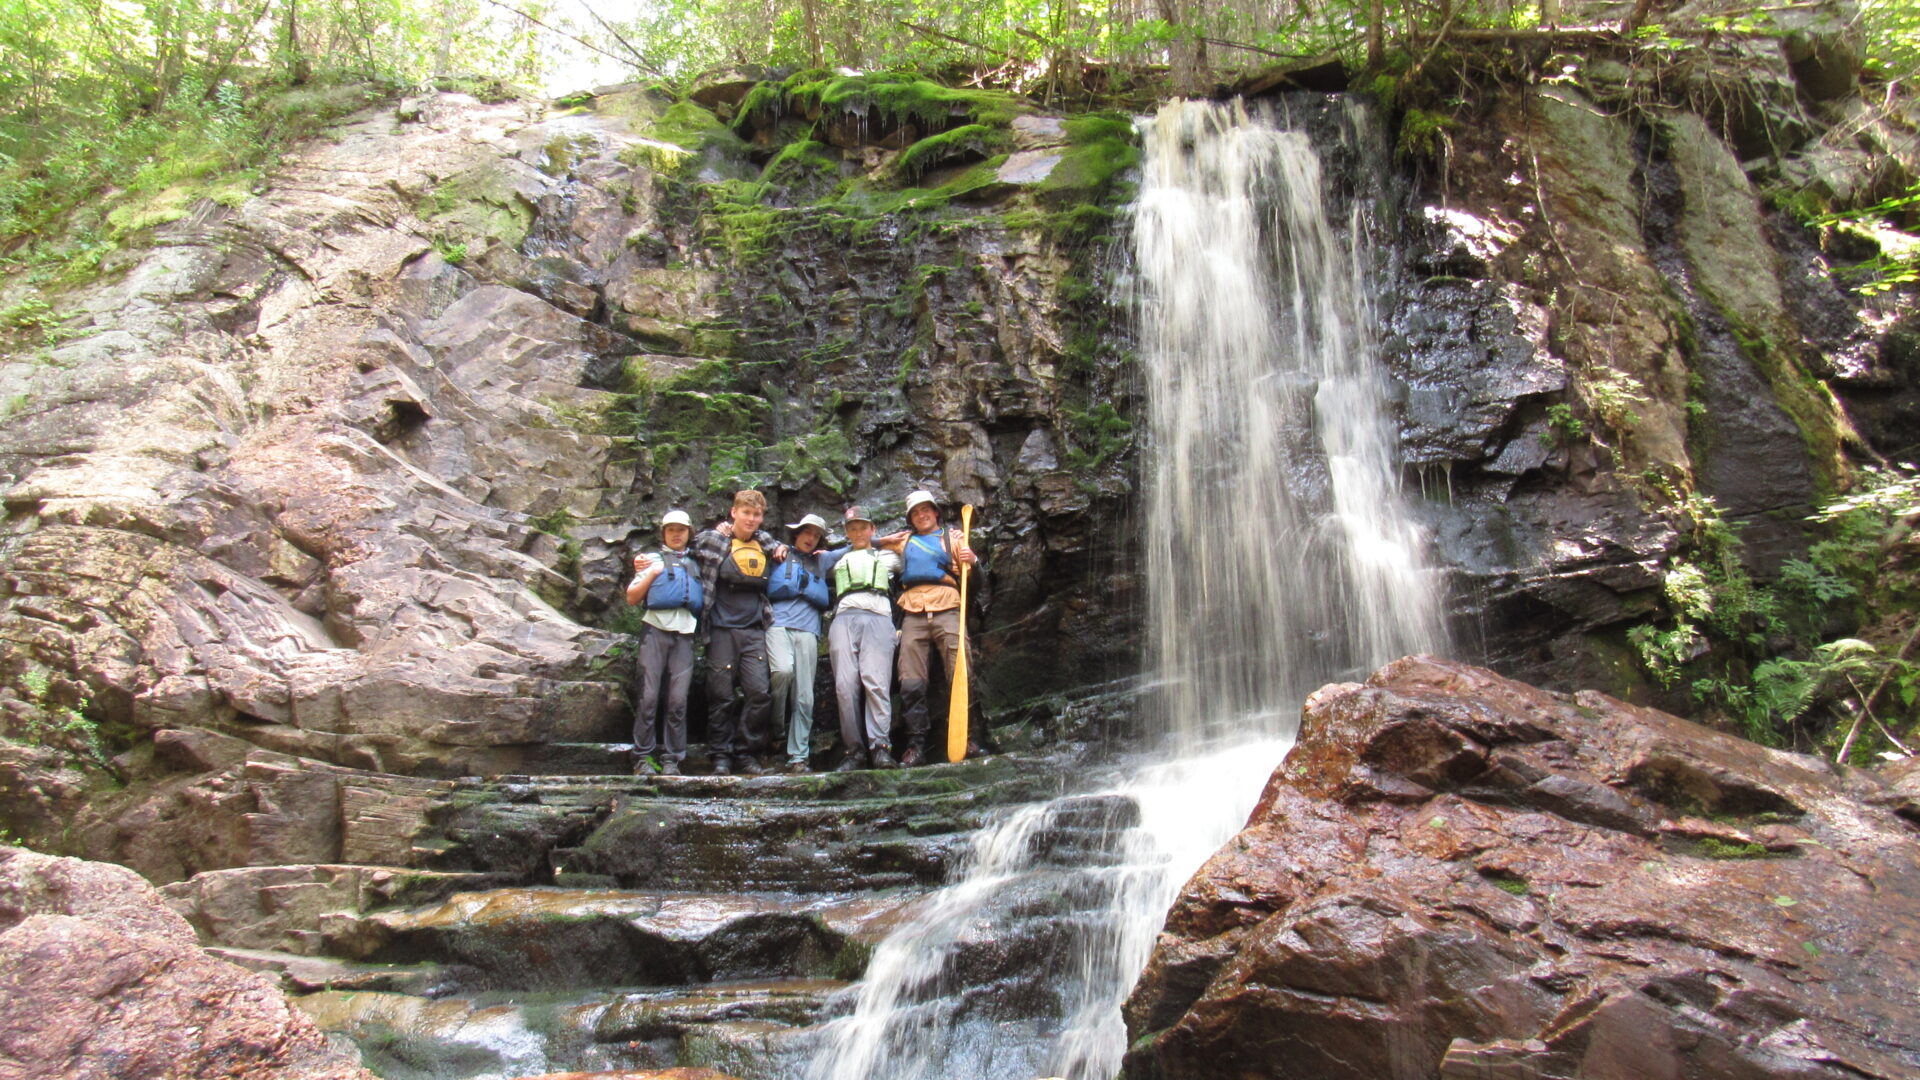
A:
(750, 766)
(913, 755)
(796, 768)
(883, 760)
(722, 766)
(645, 767)
(669, 767)
(850, 763)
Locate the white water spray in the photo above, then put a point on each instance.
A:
(1279, 556)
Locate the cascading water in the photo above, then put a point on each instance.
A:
(1279, 555)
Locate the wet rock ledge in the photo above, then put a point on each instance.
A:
(1461, 876)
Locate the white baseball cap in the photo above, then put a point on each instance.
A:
(921, 497)
(814, 520)
(676, 517)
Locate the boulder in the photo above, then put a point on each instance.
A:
(1456, 875)
(101, 979)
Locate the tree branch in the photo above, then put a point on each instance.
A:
(576, 38)
(944, 36)
(639, 59)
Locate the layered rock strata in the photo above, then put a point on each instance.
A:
(1456, 875)
(101, 979)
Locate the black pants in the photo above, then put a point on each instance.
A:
(666, 661)
(739, 694)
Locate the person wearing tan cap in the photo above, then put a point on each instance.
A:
(860, 643)
(798, 589)
(668, 583)
(930, 610)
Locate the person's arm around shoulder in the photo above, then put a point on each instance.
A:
(645, 569)
(827, 560)
(709, 546)
(775, 550)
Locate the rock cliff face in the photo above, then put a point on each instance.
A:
(1457, 875)
(1599, 313)
(353, 472)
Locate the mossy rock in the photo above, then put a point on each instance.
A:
(492, 202)
(639, 106)
(1101, 150)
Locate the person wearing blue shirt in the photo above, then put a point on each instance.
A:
(798, 590)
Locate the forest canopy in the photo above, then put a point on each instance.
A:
(114, 114)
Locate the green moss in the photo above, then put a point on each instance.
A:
(1096, 436)
(731, 465)
(1715, 848)
(689, 126)
(1423, 134)
(969, 142)
(1101, 148)
(481, 203)
(898, 97)
(696, 413)
(800, 161)
(825, 456)
(1506, 882)
(1805, 399)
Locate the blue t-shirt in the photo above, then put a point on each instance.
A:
(797, 614)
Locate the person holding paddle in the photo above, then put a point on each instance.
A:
(930, 610)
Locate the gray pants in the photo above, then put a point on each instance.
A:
(738, 697)
(861, 645)
(666, 660)
(793, 658)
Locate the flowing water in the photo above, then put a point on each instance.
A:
(1279, 556)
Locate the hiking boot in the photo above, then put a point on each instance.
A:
(913, 755)
(796, 768)
(750, 766)
(645, 767)
(850, 763)
(669, 768)
(882, 759)
(723, 766)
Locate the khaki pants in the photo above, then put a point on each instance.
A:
(920, 634)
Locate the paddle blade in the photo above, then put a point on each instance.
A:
(960, 700)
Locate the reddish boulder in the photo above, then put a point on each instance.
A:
(99, 978)
(1459, 876)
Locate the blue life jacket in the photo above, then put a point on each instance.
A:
(927, 561)
(677, 585)
(792, 581)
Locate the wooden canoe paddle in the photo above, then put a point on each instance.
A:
(960, 699)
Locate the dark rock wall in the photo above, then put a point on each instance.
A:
(1596, 318)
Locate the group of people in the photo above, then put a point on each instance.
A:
(760, 606)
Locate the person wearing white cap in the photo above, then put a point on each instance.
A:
(930, 610)
(860, 642)
(669, 585)
(798, 589)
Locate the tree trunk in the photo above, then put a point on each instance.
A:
(1376, 34)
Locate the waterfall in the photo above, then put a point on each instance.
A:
(1279, 550)
(1279, 555)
